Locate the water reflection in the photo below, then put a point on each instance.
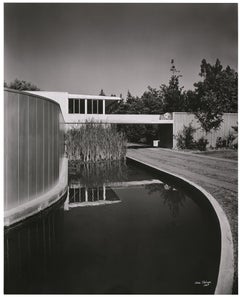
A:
(30, 249)
(89, 196)
(96, 174)
(172, 197)
(89, 184)
(135, 245)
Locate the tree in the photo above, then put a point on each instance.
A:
(132, 105)
(215, 94)
(102, 93)
(23, 85)
(152, 101)
(209, 113)
(172, 94)
(190, 101)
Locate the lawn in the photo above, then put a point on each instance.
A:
(225, 154)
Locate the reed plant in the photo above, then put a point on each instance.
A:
(93, 142)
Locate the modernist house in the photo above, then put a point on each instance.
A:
(78, 108)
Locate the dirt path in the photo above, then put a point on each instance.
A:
(218, 176)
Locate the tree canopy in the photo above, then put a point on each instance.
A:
(172, 94)
(21, 85)
(215, 93)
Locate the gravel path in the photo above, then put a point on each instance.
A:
(218, 176)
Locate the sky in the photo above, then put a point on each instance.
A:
(85, 47)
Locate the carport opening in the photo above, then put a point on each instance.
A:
(147, 133)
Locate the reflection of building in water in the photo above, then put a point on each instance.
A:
(87, 196)
(29, 252)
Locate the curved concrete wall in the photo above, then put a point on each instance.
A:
(33, 147)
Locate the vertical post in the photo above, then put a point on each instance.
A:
(86, 194)
(66, 203)
(103, 106)
(85, 106)
(104, 192)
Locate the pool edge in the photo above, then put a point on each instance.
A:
(226, 266)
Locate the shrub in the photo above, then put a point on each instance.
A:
(185, 139)
(201, 144)
(226, 142)
(234, 143)
(220, 142)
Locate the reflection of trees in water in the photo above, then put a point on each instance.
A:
(96, 174)
(173, 198)
(29, 250)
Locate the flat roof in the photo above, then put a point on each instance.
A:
(52, 94)
(80, 96)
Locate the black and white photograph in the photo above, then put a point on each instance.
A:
(120, 164)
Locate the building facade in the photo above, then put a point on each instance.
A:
(78, 108)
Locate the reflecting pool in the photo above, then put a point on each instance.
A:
(119, 230)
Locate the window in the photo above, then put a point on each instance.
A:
(82, 105)
(70, 106)
(76, 106)
(89, 106)
(95, 106)
(100, 106)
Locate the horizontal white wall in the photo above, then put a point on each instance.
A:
(118, 118)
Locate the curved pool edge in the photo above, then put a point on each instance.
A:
(33, 207)
(226, 266)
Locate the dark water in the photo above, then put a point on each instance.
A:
(120, 231)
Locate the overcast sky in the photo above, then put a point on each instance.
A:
(82, 48)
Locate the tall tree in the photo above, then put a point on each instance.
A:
(173, 97)
(215, 94)
(152, 101)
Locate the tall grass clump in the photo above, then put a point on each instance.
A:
(93, 142)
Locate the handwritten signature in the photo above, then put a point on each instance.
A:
(204, 283)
